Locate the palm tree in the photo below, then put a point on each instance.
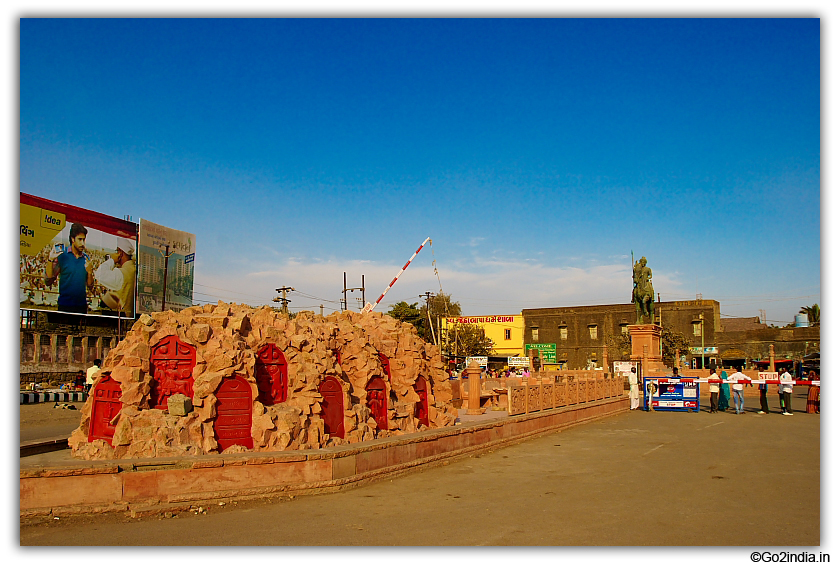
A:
(813, 313)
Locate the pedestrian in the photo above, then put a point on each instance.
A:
(737, 379)
(813, 406)
(786, 389)
(714, 390)
(723, 401)
(91, 374)
(634, 389)
(762, 393)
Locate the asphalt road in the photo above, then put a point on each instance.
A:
(637, 479)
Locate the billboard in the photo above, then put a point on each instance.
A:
(76, 261)
(166, 261)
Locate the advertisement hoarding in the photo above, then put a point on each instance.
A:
(548, 351)
(169, 253)
(91, 273)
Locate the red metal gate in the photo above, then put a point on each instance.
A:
(272, 375)
(106, 405)
(377, 401)
(171, 363)
(332, 406)
(421, 409)
(233, 413)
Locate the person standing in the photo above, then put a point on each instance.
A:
(786, 390)
(813, 406)
(714, 389)
(737, 379)
(634, 389)
(762, 393)
(91, 374)
(723, 402)
(72, 268)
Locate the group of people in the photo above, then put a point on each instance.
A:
(732, 389)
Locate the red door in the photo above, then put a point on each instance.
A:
(377, 401)
(106, 405)
(233, 413)
(421, 409)
(172, 363)
(386, 365)
(332, 407)
(272, 375)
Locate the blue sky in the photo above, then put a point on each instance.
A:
(536, 153)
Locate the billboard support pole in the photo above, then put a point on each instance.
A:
(165, 273)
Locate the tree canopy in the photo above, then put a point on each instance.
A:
(671, 341)
(471, 341)
(813, 313)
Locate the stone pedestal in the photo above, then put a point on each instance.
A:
(645, 340)
(473, 373)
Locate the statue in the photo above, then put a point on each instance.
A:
(643, 296)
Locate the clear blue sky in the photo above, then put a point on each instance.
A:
(535, 153)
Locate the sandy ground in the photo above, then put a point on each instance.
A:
(41, 421)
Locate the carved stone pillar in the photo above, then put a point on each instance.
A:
(474, 379)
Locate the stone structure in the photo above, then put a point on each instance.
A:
(253, 379)
(646, 344)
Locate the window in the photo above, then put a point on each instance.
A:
(625, 328)
(61, 348)
(77, 350)
(28, 347)
(564, 332)
(46, 349)
(593, 332)
(507, 334)
(535, 335)
(697, 327)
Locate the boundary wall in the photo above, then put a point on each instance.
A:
(152, 485)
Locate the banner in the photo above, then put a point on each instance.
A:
(548, 351)
(518, 362)
(76, 261)
(165, 252)
(482, 361)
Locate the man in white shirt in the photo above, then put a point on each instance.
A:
(786, 389)
(634, 389)
(714, 390)
(738, 389)
(91, 374)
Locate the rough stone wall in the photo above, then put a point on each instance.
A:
(226, 338)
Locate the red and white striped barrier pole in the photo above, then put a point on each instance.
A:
(369, 307)
(727, 381)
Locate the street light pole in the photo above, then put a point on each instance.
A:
(702, 342)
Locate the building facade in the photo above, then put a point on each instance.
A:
(506, 331)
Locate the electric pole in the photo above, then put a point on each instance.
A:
(165, 273)
(362, 288)
(285, 301)
(428, 295)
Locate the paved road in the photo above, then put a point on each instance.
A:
(672, 479)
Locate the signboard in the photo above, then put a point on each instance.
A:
(701, 350)
(671, 395)
(480, 320)
(178, 268)
(482, 361)
(623, 368)
(547, 350)
(518, 362)
(76, 261)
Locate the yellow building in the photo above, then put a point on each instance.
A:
(507, 332)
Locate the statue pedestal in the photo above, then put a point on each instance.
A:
(645, 345)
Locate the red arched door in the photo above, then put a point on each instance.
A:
(421, 409)
(386, 365)
(377, 401)
(171, 364)
(272, 375)
(332, 406)
(233, 413)
(106, 405)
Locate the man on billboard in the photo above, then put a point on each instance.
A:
(72, 268)
(117, 274)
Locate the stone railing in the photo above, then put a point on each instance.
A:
(563, 390)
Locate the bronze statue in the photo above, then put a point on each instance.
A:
(643, 296)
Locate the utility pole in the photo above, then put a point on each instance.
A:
(166, 256)
(285, 301)
(429, 315)
(362, 288)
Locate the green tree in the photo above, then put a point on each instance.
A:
(671, 341)
(471, 341)
(409, 313)
(619, 346)
(813, 314)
